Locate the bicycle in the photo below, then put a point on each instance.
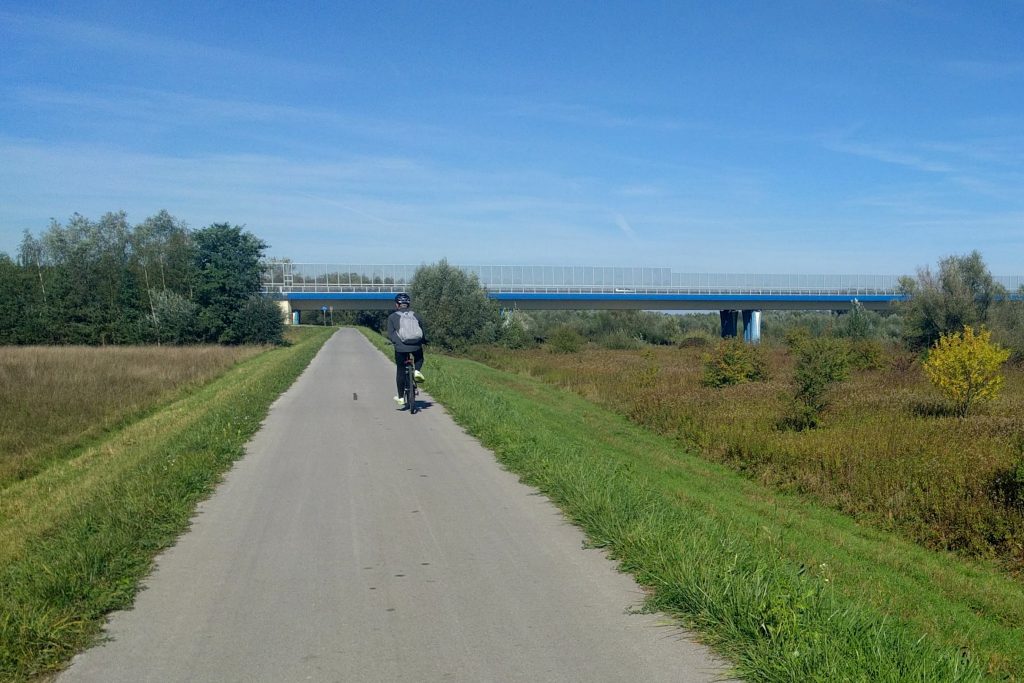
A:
(411, 389)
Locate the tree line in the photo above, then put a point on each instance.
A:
(108, 282)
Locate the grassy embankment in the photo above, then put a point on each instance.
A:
(886, 453)
(785, 589)
(80, 520)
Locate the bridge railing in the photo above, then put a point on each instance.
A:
(284, 277)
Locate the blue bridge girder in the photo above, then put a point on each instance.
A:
(319, 286)
(689, 301)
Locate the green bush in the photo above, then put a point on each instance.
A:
(1008, 486)
(858, 323)
(699, 324)
(696, 341)
(260, 321)
(514, 332)
(865, 354)
(565, 339)
(1007, 326)
(375, 320)
(173, 318)
(785, 325)
(796, 337)
(820, 363)
(621, 340)
(733, 362)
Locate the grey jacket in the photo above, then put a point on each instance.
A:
(399, 344)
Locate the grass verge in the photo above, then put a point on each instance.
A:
(76, 539)
(785, 590)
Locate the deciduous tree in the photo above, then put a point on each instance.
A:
(961, 293)
(228, 267)
(454, 306)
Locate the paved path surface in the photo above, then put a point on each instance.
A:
(357, 543)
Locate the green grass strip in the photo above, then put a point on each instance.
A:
(81, 535)
(785, 590)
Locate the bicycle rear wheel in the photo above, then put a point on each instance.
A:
(410, 388)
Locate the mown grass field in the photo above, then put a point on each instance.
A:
(786, 589)
(78, 530)
(886, 453)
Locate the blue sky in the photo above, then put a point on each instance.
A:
(826, 136)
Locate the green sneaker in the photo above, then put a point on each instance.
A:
(419, 376)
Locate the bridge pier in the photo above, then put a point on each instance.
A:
(287, 313)
(730, 323)
(752, 327)
(751, 324)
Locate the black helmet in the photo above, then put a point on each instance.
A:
(403, 299)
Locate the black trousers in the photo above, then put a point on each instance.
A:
(400, 356)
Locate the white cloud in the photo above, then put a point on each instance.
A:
(989, 166)
(586, 115)
(640, 190)
(989, 70)
(624, 225)
(111, 108)
(69, 33)
(889, 155)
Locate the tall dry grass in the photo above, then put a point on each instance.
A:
(886, 451)
(53, 398)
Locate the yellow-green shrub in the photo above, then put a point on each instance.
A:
(964, 366)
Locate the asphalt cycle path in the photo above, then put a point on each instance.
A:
(355, 542)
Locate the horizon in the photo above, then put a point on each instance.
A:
(798, 137)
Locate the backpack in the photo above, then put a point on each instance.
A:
(409, 329)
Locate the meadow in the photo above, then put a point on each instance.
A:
(886, 451)
(54, 399)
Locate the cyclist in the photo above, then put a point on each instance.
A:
(403, 347)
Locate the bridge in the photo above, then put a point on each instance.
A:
(318, 286)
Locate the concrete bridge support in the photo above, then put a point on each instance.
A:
(730, 323)
(287, 314)
(752, 327)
